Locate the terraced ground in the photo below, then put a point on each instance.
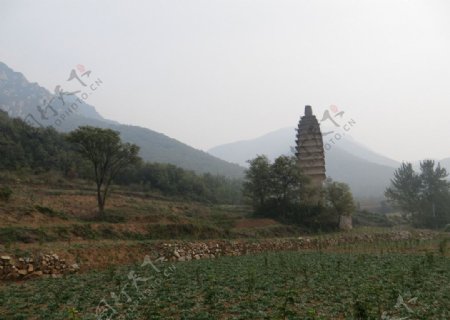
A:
(42, 213)
(372, 277)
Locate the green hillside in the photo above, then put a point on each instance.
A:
(20, 98)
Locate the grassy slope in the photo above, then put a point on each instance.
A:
(337, 281)
(46, 210)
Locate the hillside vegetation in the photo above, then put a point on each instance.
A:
(36, 150)
(20, 98)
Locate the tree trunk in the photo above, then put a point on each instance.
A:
(100, 201)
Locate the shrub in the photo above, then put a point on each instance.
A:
(110, 218)
(25, 235)
(50, 212)
(5, 193)
(443, 246)
(370, 219)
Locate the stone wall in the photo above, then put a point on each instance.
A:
(51, 265)
(45, 265)
(187, 251)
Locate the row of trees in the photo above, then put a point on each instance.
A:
(174, 181)
(40, 149)
(279, 190)
(423, 197)
(113, 160)
(100, 155)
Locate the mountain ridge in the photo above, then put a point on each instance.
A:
(367, 172)
(21, 98)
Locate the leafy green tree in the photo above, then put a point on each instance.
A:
(435, 195)
(424, 197)
(275, 189)
(257, 181)
(339, 198)
(39, 149)
(281, 191)
(107, 154)
(286, 180)
(405, 189)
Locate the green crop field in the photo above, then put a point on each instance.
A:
(286, 285)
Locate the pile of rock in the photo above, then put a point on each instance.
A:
(189, 251)
(44, 265)
(52, 264)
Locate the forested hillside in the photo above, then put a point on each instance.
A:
(36, 150)
(29, 101)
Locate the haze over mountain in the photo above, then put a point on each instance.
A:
(281, 141)
(37, 106)
(249, 67)
(367, 172)
(445, 163)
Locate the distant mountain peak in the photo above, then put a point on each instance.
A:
(367, 172)
(30, 101)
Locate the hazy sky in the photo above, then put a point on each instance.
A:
(211, 72)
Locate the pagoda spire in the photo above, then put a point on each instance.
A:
(309, 151)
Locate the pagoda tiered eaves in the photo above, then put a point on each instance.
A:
(310, 151)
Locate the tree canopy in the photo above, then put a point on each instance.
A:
(107, 154)
(423, 197)
(257, 184)
(279, 190)
(38, 150)
(276, 185)
(339, 197)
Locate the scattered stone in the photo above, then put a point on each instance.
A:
(23, 272)
(161, 259)
(27, 267)
(74, 268)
